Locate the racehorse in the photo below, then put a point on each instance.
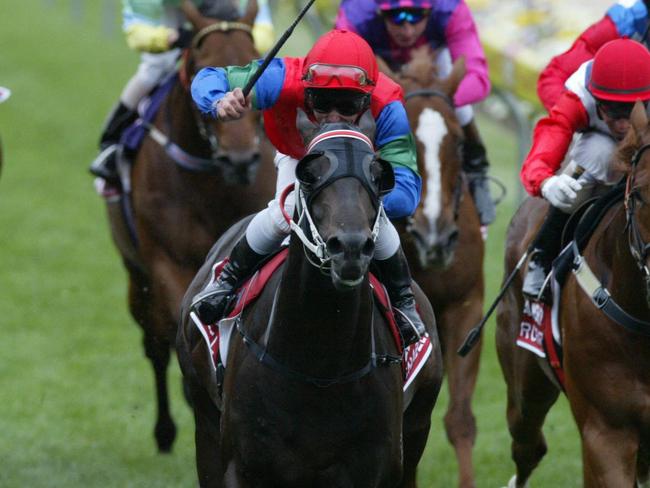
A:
(606, 355)
(443, 241)
(312, 394)
(180, 205)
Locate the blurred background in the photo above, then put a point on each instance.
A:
(76, 392)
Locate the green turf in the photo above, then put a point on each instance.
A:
(76, 393)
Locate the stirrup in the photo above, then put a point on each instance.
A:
(409, 330)
(210, 304)
(101, 165)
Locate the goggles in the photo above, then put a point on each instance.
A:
(333, 75)
(345, 102)
(410, 15)
(617, 110)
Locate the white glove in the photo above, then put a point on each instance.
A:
(560, 191)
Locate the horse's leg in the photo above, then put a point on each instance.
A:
(157, 350)
(460, 424)
(206, 437)
(609, 453)
(417, 422)
(530, 394)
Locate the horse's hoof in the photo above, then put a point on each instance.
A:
(165, 436)
(513, 482)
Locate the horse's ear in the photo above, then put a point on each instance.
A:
(639, 118)
(455, 77)
(250, 12)
(306, 127)
(367, 124)
(383, 175)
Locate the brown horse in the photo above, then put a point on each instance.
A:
(606, 355)
(443, 241)
(313, 389)
(179, 211)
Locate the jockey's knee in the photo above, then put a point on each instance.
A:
(388, 241)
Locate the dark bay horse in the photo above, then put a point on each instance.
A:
(606, 357)
(310, 397)
(443, 241)
(180, 209)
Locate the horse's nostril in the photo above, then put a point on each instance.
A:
(368, 248)
(334, 245)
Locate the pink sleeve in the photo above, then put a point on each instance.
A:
(462, 40)
(342, 21)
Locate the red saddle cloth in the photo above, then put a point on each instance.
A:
(536, 335)
(413, 357)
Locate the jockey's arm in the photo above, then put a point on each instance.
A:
(463, 40)
(551, 139)
(396, 145)
(211, 85)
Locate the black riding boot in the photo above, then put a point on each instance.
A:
(476, 165)
(210, 303)
(105, 164)
(546, 247)
(396, 277)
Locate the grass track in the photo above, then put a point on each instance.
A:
(76, 393)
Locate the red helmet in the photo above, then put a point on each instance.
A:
(341, 59)
(621, 72)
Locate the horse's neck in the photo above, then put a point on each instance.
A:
(614, 265)
(318, 329)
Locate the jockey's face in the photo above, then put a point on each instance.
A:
(616, 116)
(336, 105)
(405, 31)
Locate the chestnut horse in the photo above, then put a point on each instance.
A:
(606, 355)
(443, 241)
(179, 211)
(313, 389)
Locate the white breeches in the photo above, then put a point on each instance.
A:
(464, 114)
(152, 69)
(268, 228)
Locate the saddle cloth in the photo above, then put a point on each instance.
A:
(217, 336)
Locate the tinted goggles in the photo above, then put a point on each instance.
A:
(346, 103)
(617, 110)
(331, 75)
(410, 15)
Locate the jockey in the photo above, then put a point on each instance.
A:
(155, 28)
(394, 28)
(337, 81)
(597, 105)
(626, 18)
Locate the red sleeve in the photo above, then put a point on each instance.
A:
(551, 80)
(551, 139)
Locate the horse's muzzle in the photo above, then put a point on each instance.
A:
(350, 255)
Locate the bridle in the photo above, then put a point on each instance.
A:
(185, 160)
(638, 248)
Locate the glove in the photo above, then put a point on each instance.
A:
(560, 191)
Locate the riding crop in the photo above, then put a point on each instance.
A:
(474, 334)
(271, 54)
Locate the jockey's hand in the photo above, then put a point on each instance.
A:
(233, 105)
(561, 191)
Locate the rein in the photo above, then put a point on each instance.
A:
(591, 285)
